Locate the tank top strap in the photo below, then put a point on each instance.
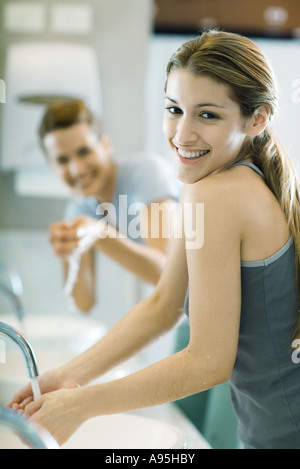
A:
(251, 165)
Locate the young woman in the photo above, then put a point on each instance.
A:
(243, 279)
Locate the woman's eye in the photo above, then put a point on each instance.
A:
(174, 110)
(209, 115)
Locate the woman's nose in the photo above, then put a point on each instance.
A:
(186, 132)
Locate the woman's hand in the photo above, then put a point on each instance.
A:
(48, 382)
(58, 412)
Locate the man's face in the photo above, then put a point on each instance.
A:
(80, 159)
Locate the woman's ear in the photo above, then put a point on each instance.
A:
(259, 121)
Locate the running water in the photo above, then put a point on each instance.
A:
(35, 388)
(74, 264)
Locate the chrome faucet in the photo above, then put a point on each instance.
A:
(34, 436)
(25, 347)
(15, 300)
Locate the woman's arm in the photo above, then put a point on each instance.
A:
(214, 305)
(146, 321)
(214, 271)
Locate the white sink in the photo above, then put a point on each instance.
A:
(126, 431)
(120, 431)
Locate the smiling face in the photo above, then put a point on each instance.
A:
(81, 160)
(202, 124)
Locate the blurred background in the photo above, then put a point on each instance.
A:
(113, 54)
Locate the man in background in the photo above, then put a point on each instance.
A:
(80, 152)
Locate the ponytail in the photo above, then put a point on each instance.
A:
(281, 176)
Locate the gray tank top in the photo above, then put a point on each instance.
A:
(265, 384)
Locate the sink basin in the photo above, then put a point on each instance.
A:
(120, 431)
(126, 431)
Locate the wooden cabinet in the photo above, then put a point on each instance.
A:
(264, 17)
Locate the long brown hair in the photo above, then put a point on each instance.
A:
(240, 64)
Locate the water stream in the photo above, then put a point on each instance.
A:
(35, 388)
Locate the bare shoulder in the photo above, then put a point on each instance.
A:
(240, 200)
(223, 196)
(240, 190)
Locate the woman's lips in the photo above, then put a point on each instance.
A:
(191, 157)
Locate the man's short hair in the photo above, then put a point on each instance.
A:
(64, 114)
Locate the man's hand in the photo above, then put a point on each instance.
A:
(81, 232)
